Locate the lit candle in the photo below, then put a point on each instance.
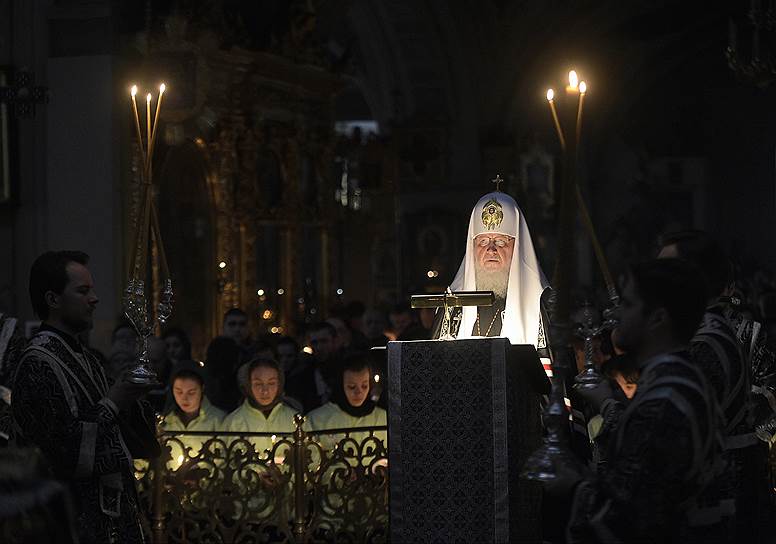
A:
(550, 99)
(582, 91)
(148, 123)
(162, 87)
(133, 92)
(573, 86)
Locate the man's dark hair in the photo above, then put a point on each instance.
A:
(49, 273)
(706, 253)
(676, 285)
(234, 311)
(321, 326)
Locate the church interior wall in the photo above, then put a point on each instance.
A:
(468, 82)
(81, 184)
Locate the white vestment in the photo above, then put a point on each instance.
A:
(498, 213)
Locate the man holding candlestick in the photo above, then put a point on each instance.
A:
(87, 428)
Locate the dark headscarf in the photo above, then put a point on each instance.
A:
(185, 368)
(338, 396)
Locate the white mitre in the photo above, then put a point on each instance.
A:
(498, 213)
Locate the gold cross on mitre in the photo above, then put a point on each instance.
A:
(498, 180)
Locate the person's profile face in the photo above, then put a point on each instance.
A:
(493, 252)
(236, 328)
(188, 394)
(265, 385)
(77, 302)
(356, 385)
(629, 388)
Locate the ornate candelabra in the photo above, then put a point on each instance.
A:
(147, 232)
(543, 464)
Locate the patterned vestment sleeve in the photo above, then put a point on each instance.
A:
(636, 497)
(77, 447)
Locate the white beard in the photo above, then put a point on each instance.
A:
(492, 280)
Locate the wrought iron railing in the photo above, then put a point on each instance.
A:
(305, 486)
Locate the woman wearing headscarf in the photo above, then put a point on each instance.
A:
(263, 409)
(190, 409)
(351, 405)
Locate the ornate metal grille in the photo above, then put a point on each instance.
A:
(226, 487)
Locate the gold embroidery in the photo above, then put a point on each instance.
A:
(492, 214)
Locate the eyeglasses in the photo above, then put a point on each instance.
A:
(485, 241)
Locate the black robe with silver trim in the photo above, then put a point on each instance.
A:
(60, 405)
(665, 448)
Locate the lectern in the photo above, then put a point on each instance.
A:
(464, 415)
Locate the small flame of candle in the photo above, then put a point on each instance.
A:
(133, 92)
(582, 87)
(148, 97)
(550, 95)
(162, 87)
(573, 79)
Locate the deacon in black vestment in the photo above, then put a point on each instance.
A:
(87, 429)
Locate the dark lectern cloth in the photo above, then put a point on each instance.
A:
(454, 477)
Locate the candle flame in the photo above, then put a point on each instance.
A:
(550, 95)
(573, 79)
(162, 87)
(148, 97)
(133, 91)
(582, 87)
